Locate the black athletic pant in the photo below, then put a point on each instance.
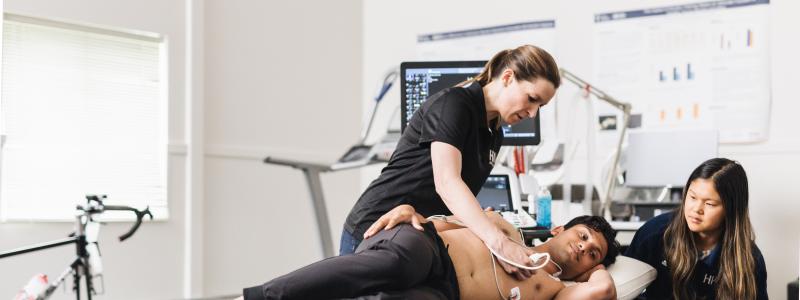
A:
(401, 263)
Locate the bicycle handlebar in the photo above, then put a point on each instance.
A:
(100, 207)
(139, 216)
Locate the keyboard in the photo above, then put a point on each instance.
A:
(519, 219)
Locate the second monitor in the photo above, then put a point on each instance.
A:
(419, 80)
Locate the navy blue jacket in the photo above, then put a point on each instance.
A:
(648, 246)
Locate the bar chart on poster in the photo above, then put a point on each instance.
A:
(703, 65)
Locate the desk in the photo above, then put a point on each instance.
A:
(638, 211)
(626, 225)
(643, 210)
(625, 230)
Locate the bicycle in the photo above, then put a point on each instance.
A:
(87, 264)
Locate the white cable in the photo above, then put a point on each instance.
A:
(446, 220)
(534, 257)
(496, 280)
(493, 255)
(437, 217)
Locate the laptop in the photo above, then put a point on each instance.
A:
(496, 193)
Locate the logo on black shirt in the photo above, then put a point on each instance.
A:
(492, 156)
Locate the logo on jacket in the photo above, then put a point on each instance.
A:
(709, 279)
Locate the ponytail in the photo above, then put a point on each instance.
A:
(527, 61)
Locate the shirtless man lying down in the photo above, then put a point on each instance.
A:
(441, 260)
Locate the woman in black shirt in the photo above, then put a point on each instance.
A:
(450, 147)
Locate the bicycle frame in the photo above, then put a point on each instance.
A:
(81, 266)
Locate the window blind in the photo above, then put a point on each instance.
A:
(83, 111)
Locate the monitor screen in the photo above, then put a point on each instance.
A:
(658, 158)
(526, 132)
(496, 192)
(418, 80)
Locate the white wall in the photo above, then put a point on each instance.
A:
(390, 30)
(267, 78)
(149, 265)
(282, 78)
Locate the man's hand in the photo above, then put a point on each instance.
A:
(401, 214)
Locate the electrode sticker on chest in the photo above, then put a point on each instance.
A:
(514, 294)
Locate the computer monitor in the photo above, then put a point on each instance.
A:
(419, 80)
(526, 132)
(496, 193)
(659, 158)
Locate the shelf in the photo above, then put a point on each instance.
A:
(625, 225)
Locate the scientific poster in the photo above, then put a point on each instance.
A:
(702, 65)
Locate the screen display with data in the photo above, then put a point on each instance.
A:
(420, 80)
(495, 193)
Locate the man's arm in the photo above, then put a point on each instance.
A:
(599, 286)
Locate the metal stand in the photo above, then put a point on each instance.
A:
(311, 172)
(626, 115)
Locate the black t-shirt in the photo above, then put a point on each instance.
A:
(456, 116)
(648, 246)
